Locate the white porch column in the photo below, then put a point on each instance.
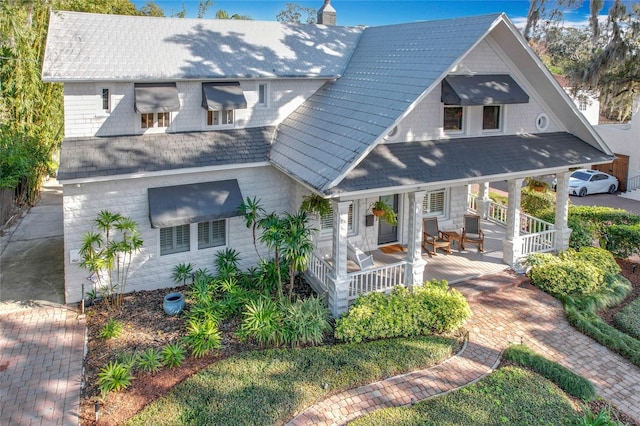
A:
(415, 262)
(511, 246)
(563, 232)
(483, 200)
(339, 282)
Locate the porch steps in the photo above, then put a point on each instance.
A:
(490, 284)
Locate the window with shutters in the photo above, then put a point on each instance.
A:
(212, 234)
(326, 223)
(175, 239)
(435, 203)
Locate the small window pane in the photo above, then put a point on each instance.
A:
(216, 118)
(491, 117)
(453, 118)
(174, 240)
(262, 94)
(146, 120)
(211, 234)
(434, 203)
(227, 117)
(105, 100)
(163, 119)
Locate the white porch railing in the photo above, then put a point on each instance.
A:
(633, 183)
(536, 235)
(382, 278)
(319, 270)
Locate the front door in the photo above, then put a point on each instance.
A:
(388, 233)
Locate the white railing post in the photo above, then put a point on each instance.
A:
(415, 262)
(562, 211)
(511, 244)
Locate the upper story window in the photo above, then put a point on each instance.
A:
(453, 118)
(583, 103)
(262, 94)
(326, 223)
(491, 119)
(220, 118)
(155, 120)
(105, 98)
(221, 101)
(155, 102)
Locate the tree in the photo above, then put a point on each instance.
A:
(152, 9)
(293, 13)
(223, 14)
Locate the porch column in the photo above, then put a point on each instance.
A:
(415, 262)
(511, 246)
(563, 232)
(483, 200)
(339, 282)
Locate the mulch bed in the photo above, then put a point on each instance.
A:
(146, 325)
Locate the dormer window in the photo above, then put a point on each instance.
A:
(155, 102)
(453, 118)
(219, 118)
(491, 117)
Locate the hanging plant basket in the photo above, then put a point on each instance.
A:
(377, 212)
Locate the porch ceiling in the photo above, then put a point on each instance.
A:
(428, 162)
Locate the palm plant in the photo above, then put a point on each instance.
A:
(182, 272)
(272, 236)
(252, 212)
(297, 244)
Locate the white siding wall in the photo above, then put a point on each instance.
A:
(425, 121)
(84, 117)
(82, 203)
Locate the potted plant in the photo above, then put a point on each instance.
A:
(536, 184)
(316, 204)
(385, 211)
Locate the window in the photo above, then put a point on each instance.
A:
(212, 234)
(491, 117)
(453, 118)
(151, 120)
(435, 203)
(106, 100)
(175, 239)
(326, 222)
(262, 94)
(219, 118)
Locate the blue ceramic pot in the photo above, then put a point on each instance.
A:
(173, 303)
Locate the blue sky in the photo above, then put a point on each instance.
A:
(376, 12)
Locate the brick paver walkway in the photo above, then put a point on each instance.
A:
(503, 311)
(41, 352)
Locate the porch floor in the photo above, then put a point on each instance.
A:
(459, 266)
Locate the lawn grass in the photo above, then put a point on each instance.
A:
(510, 395)
(268, 387)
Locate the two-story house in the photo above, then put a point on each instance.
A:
(174, 121)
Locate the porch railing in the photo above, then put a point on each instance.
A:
(382, 278)
(319, 270)
(539, 242)
(633, 183)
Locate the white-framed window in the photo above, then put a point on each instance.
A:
(326, 223)
(103, 106)
(220, 118)
(263, 94)
(491, 117)
(435, 203)
(212, 234)
(155, 120)
(175, 239)
(453, 118)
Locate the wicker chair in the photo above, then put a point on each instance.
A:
(431, 236)
(471, 232)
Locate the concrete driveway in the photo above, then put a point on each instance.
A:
(32, 255)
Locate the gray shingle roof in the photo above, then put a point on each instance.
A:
(107, 156)
(86, 46)
(390, 68)
(413, 163)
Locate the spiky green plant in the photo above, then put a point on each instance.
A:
(114, 377)
(111, 329)
(150, 360)
(173, 354)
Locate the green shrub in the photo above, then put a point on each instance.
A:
(623, 240)
(262, 321)
(172, 355)
(628, 319)
(599, 257)
(305, 322)
(114, 377)
(202, 337)
(603, 418)
(150, 360)
(128, 359)
(567, 380)
(430, 309)
(567, 277)
(226, 262)
(111, 329)
(583, 234)
(536, 203)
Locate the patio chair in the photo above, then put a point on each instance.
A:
(431, 236)
(471, 232)
(362, 259)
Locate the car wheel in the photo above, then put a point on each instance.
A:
(612, 189)
(583, 192)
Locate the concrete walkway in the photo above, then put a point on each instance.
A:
(504, 311)
(41, 340)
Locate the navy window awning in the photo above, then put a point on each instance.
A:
(156, 97)
(485, 89)
(221, 96)
(197, 202)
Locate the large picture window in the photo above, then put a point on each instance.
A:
(453, 118)
(435, 203)
(175, 239)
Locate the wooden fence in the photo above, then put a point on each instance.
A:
(7, 202)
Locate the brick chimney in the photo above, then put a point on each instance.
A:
(327, 14)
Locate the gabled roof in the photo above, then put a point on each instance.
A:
(91, 47)
(422, 163)
(91, 158)
(391, 68)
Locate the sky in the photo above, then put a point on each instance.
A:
(377, 12)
